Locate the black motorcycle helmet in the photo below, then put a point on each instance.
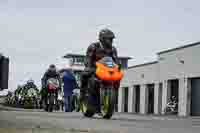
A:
(30, 81)
(106, 37)
(52, 68)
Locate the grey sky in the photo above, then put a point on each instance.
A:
(35, 33)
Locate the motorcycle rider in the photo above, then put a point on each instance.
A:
(95, 52)
(30, 84)
(50, 73)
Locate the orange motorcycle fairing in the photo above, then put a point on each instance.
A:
(108, 74)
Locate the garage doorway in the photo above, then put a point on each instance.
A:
(160, 92)
(126, 99)
(150, 98)
(137, 99)
(174, 90)
(195, 96)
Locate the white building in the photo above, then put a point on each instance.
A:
(147, 88)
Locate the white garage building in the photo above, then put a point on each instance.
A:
(147, 88)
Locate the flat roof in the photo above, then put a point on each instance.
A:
(178, 48)
(144, 64)
(66, 69)
(73, 55)
(69, 55)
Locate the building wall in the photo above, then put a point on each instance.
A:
(146, 74)
(140, 75)
(172, 65)
(180, 63)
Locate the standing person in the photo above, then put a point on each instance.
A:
(70, 84)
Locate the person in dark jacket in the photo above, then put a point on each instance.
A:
(95, 52)
(70, 84)
(50, 73)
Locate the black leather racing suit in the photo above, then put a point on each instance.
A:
(95, 52)
(49, 74)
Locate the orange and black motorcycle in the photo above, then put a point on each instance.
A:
(106, 81)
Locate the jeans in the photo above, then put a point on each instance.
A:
(68, 103)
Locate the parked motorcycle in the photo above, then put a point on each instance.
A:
(52, 87)
(171, 108)
(106, 80)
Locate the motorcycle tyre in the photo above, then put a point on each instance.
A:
(110, 104)
(51, 103)
(86, 107)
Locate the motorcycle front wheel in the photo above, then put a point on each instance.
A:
(108, 97)
(87, 108)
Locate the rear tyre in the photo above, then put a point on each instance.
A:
(51, 103)
(50, 108)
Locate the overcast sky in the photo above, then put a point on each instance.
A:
(34, 33)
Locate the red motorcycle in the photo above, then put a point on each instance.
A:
(52, 87)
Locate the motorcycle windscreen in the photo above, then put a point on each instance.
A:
(53, 83)
(108, 70)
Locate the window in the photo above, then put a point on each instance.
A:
(78, 61)
(123, 63)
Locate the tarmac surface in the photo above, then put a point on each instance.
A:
(36, 121)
